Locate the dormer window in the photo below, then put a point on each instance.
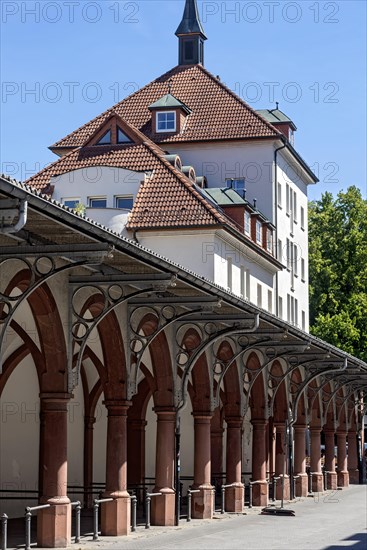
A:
(258, 232)
(247, 223)
(236, 184)
(166, 121)
(122, 137)
(269, 241)
(105, 139)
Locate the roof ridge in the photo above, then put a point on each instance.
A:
(113, 107)
(238, 98)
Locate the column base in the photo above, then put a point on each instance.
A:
(317, 482)
(203, 502)
(302, 485)
(234, 497)
(54, 526)
(343, 479)
(115, 517)
(354, 477)
(260, 493)
(332, 481)
(163, 508)
(279, 490)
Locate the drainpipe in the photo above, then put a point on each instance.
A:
(276, 226)
(22, 209)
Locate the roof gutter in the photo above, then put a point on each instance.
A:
(20, 211)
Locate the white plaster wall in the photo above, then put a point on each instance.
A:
(98, 181)
(218, 162)
(19, 436)
(100, 443)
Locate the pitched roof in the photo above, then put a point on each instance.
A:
(217, 112)
(168, 101)
(166, 199)
(275, 116)
(190, 20)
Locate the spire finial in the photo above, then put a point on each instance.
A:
(191, 36)
(277, 104)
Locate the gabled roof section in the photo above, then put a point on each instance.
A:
(217, 112)
(113, 124)
(276, 116)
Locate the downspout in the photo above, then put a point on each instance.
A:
(276, 226)
(23, 209)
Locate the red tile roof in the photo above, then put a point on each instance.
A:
(217, 113)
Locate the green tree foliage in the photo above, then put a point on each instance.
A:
(338, 270)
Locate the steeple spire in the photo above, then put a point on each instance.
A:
(191, 36)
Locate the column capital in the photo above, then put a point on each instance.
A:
(203, 416)
(89, 421)
(57, 401)
(260, 423)
(315, 429)
(234, 422)
(300, 427)
(116, 407)
(342, 432)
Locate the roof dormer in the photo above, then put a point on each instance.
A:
(168, 115)
(113, 132)
(280, 121)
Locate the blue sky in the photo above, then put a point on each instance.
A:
(64, 62)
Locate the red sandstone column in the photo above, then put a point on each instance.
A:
(280, 459)
(135, 451)
(353, 457)
(331, 475)
(163, 507)
(115, 515)
(317, 478)
(300, 460)
(54, 524)
(203, 502)
(260, 487)
(343, 476)
(89, 422)
(234, 495)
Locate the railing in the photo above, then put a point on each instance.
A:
(223, 502)
(96, 503)
(78, 507)
(189, 502)
(4, 531)
(275, 481)
(28, 521)
(148, 498)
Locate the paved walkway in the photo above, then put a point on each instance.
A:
(328, 522)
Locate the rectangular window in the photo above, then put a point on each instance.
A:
(229, 274)
(258, 232)
(288, 308)
(70, 203)
(247, 223)
(287, 199)
(302, 217)
(270, 301)
(248, 287)
(296, 312)
(125, 202)
(303, 320)
(280, 307)
(295, 260)
(269, 240)
(289, 254)
(280, 250)
(259, 295)
(292, 310)
(166, 121)
(280, 195)
(236, 184)
(303, 269)
(97, 202)
(294, 209)
(243, 281)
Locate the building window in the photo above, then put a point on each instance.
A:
(258, 232)
(289, 261)
(294, 208)
(270, 301)
(259, 295)
(229, 273)
(236, 184)
(105, 139)
(243, 281)
(125, 202)
(70, 203)
(295, 260)
(287, 199)
(280, 250)
(279, 195)
(122, 137)
(302, 218)
(97, 202)
(269, 241)
(166, 121)
(248, 287)
(247, 222)
(296, 312)
(303, 320)
(288, 308)
(280, 307)
(303, 270)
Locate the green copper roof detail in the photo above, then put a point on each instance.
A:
(190, 23)
(169, 102)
